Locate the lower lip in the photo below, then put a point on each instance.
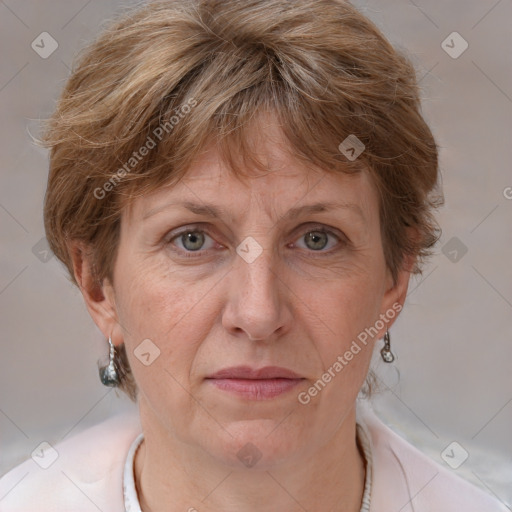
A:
(256, 389)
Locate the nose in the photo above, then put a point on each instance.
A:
(257, 304)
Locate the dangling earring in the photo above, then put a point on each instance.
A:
(387, 355)
(109, 375)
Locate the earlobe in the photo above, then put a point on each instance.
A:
(98, 296)
(396, 293)
(399, 290)
(400, 286)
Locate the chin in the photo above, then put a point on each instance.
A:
(256, 444)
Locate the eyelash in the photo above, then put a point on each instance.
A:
(197, 228)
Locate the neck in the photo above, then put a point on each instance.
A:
(173, 476)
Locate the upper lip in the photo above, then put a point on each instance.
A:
(246, 372)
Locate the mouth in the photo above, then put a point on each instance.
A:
(255, 384)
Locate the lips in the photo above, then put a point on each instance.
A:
(246, 372)
(255, 384)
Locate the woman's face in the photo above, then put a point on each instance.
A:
(215, 272)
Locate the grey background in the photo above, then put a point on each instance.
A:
(451, 380)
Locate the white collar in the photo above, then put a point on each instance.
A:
(131, 500)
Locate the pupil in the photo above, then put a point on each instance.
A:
(317, 238)
(193, 240)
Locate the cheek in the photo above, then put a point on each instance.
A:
(152, 297)
(338, 317)
(154, 308)
(156, 304)
(343, 348)
(176, 314)
(350, 303)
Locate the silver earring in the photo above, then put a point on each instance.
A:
(387, 355)
(109, 375)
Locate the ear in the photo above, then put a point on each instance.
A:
(396, 293)
(99, 297)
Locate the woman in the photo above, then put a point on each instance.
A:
(241, 191)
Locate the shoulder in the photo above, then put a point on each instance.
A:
(82, 473)
(410, 481)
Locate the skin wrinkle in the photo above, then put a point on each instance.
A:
(305, 75)
(286, 308)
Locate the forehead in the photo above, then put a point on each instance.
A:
(281, 182)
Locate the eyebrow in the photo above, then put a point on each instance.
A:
(211, 210)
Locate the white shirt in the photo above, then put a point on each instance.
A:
(87, 474)
(131, 500)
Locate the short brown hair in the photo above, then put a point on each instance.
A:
(172, 76)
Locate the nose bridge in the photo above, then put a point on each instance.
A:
(257, 278)
(255, 297)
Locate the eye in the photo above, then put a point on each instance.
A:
(192, 240)
(318, 240)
